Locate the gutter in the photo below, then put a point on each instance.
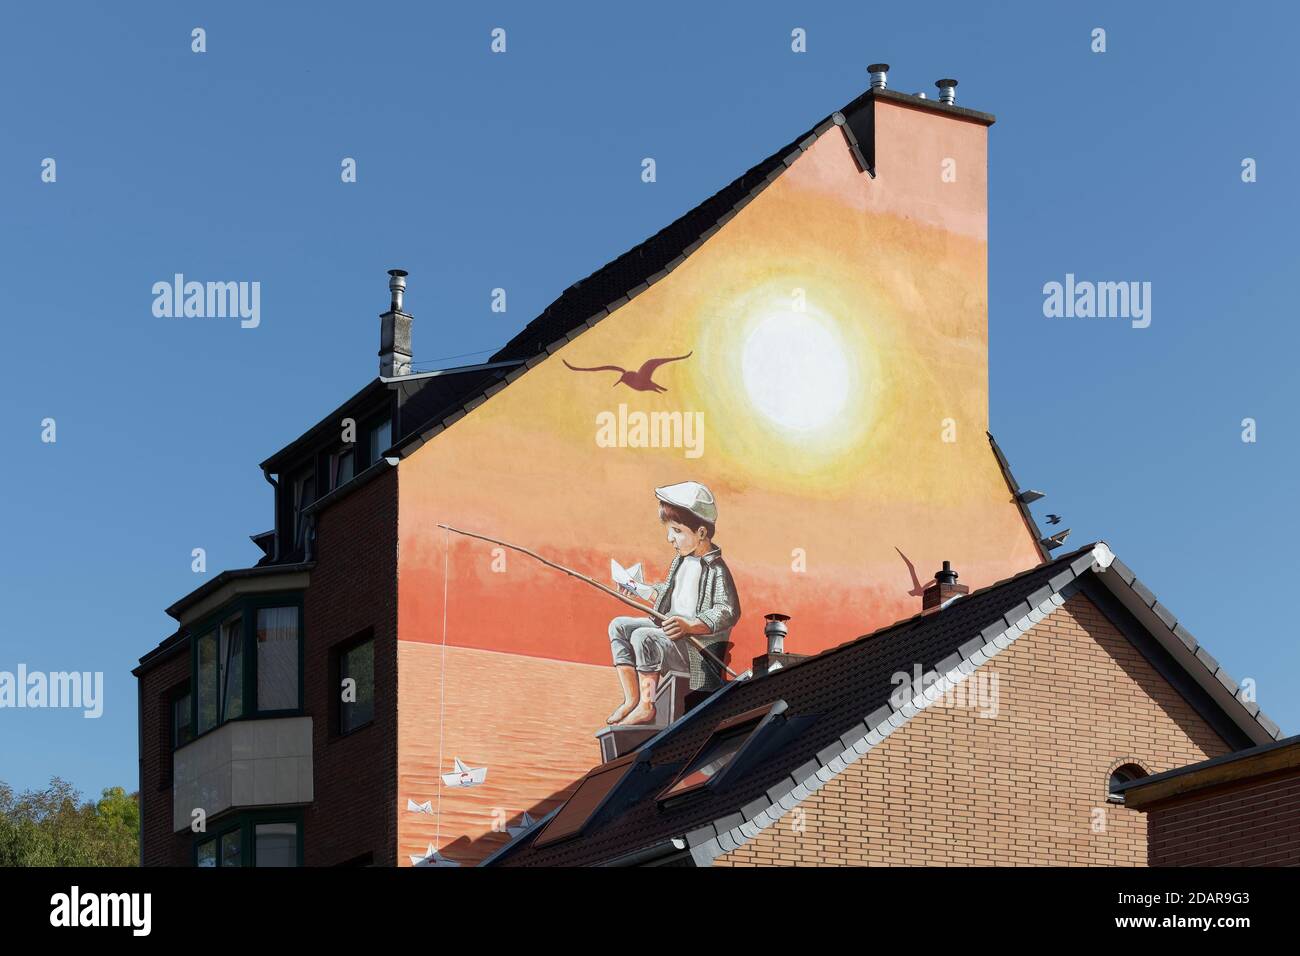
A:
(649, 856)
(139, 765)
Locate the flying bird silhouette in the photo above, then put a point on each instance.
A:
(642, 379)
(1053, 519)
(917, 589)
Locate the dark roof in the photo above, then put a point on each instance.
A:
(842, 696)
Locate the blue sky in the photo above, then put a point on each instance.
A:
(523, 171)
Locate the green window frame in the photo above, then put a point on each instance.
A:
(225, 662)
(356, 659)
(234, 842)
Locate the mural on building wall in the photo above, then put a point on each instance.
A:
(810, 386)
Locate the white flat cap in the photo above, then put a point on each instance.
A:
(692, 496)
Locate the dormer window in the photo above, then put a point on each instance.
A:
(381, 439)
(342, 466)
(304, 493)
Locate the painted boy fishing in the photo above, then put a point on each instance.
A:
(695, 609)
(688, 628)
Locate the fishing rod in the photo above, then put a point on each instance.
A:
(651, 612)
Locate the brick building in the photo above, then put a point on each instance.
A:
(811, 343)
(993, 728)
(1235, 809)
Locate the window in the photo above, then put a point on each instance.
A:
(717, 753)
(381, 438)
(231, 849)
(342, 467)
(357, 701)
(734, 744)
(175, 729)
(304, 493)
(232, 669)
(590, 797)
(207, 681)
(277, 658)
(275, 844)
(246, 663)
(255, 838)
(1121, 775)
(182, 729)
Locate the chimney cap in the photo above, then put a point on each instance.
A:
(947, 575)
(878, 68)
(398, 273)
(776, 617)
(942, 83)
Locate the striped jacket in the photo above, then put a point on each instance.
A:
(717, 606)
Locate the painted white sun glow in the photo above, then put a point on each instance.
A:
(795, 371)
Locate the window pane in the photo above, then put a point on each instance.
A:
(207, 690)
(207, 854)
(232, 669)
(345, 467)
(381, 438)
(305, 494)
(230, 855)
(276, 844)
(277, 658)
(358, 664)
(182, 729)
(711, 761)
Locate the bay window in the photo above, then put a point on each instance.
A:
(246, 662)
(254, 838)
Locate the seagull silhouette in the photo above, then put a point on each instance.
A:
(1053, 519)
(917, 589)
(642, 378)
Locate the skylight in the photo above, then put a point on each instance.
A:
(590, 795)
(742, 734)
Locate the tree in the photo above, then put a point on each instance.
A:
(55, 827)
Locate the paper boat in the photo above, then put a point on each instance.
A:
(431, 858)
(522, 827)
(464, 776)
(413, 807)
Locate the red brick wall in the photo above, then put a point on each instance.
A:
(354, 587)
(1026, 787)
(1251, 823)
(161, 846)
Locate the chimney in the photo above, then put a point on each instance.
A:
(775, 631)
(947, 91)
(879, 75)
(943, 588)
(395, 330)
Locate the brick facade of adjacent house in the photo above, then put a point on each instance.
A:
(1253, 822)
(352, 591)
(1028, 787)
(159, 846)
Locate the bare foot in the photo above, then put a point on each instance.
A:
(621, 712)
(642, 714)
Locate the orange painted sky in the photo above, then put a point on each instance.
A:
(837, 333)
(896, 305)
